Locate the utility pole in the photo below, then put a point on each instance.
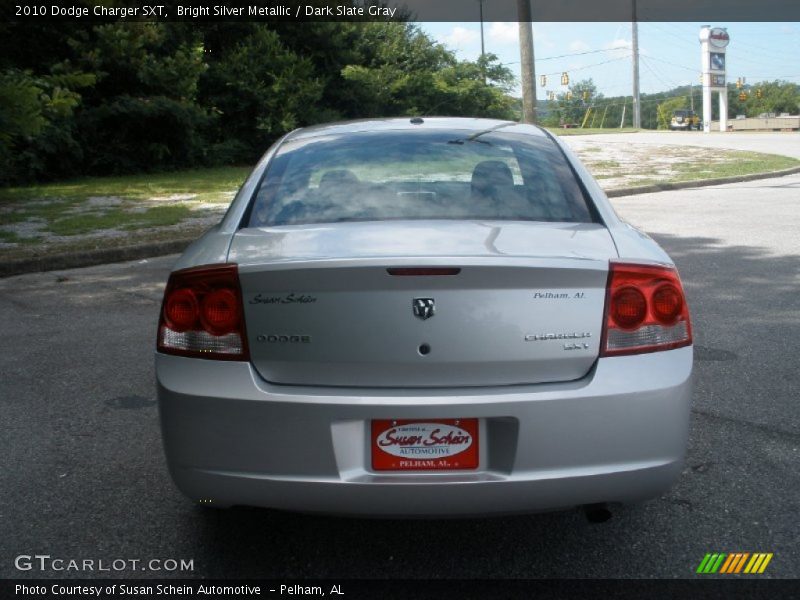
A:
(483, 49)
(526, 61)
(637, 108)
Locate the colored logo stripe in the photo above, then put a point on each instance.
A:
(727, 564)
(711, 563)
(758, 563)
(734, 563)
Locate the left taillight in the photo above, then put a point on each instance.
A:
(202, 314)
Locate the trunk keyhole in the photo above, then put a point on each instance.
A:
(424, 349)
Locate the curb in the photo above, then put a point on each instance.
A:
(124, 253)
(92, 257)
(682, 185)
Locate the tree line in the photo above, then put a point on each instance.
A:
(94, 99)
(571, 107)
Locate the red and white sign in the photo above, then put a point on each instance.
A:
(430, 445)
(719, 38)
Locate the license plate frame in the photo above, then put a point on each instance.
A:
(398, 445)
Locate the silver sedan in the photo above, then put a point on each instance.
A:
(423, 317)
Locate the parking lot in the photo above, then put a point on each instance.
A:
(83, 474)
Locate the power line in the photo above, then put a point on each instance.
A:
(626, 101)
(647, 59)
(665, 83)
(577, 54)
(676, 36)
(605, 62)
(697, 71)
(738, 59)
(516, 62)
(764, 51)
(745, 58)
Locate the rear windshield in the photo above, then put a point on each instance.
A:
(418, 175)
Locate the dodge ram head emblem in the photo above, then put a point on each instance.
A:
(424, 308)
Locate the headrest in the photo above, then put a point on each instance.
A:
(338, 177)
(490, 176)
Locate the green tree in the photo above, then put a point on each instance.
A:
(776, 97)
(570, 107)
(40, 93)
(405, 72)
(141, 115)
(78, 98)
(36, 117)
(258, 89)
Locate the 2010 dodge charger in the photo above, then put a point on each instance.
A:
(423, 317)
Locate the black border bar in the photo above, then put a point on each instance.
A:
(711, 587)
(711, 11)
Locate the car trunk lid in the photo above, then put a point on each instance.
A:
(407, 304)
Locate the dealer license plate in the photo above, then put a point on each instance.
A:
(424, 445)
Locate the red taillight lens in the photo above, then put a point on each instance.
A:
(220, 314)
(628, 307)
(202, 314)
(181, 310)
(646, 310)
(667, 303)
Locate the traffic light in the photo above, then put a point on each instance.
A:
(758, 93)
(585, 95)
(564, 78)
(739, 83)
(742, 96)
(569, 95)
(543, 80)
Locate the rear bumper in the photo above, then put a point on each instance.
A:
(617, 435)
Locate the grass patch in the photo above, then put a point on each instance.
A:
(734, 162)
(604, 164)
(11, 237)
(46, 210)
(210, 185)
(116, 218)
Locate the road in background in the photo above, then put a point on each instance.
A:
(783, 143)
(82, 473)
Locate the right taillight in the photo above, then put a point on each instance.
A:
(202, 314)
(646, 310)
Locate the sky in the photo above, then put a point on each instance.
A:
(669, 52)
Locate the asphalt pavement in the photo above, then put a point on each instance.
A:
(82, 474)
